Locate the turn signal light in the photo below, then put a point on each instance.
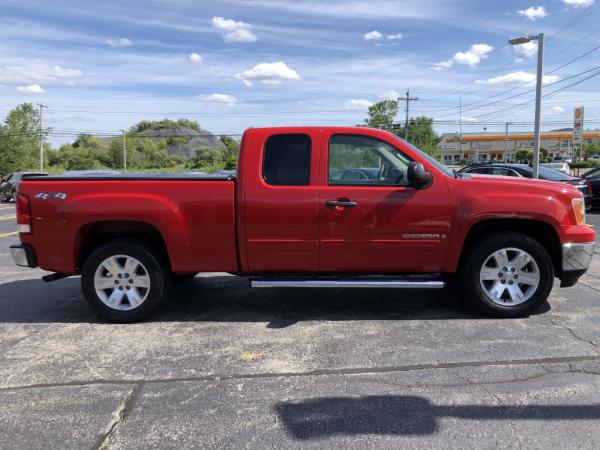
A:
(579, 210)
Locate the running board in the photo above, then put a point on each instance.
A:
(390, 284)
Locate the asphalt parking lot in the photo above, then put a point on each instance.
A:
(223, 366)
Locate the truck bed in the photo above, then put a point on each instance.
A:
(192, 217)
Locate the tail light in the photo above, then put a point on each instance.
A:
(23, 214)
(589, 187)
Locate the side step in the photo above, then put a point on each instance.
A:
(349, 283)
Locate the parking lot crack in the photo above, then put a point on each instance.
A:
(121, 414)
(576, 336)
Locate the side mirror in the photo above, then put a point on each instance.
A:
(417, 175)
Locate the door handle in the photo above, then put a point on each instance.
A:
(343, 203)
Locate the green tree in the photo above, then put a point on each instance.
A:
(19, 139)
(382, 113)
(207, 159)
(422, 135)
(524, 156)
(232, 149)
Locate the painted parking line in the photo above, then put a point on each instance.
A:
(12, 233)
(7, 217)
(5, 208)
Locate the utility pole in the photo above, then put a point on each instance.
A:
(42, 107)
(124, 152)
(408, 100)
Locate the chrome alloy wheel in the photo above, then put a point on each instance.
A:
(122, 282)
(509, 276)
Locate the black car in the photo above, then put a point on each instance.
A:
(593, 178)
(9, 185)
(526, 171)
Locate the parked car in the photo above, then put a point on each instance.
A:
(568, 159)
(594, 158)
(9, 185)
(593, 179)
(563, 167)
(525, 171)
(286, 221)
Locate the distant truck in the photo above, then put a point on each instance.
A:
(295, 216)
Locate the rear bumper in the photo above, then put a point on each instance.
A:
(23, 255)
(576, 258)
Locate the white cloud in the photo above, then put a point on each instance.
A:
(37, 72)
(357, 104)
(372, 36)
(31, 89)
(389, 95)
(558, 109)
(234, 31)
(219, 98)
(268, 73)
(578, 3)
(528, 49)
(471, 57)
(195, 58)
(393, 37)
(469, 119)
(533, 13)
(519, 77)
(518, 60)
(122, 42)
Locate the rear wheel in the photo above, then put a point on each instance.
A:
(3, 197)
(508, 274)
(124, 281)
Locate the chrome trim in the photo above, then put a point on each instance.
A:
(19, 256)
(393, 284)
(577, 256)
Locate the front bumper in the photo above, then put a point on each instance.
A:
(576, 258)
(23, 255)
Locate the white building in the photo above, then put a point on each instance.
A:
(491, 146)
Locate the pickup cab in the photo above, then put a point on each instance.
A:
(309, 207)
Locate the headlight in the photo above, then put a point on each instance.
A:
(579, 210)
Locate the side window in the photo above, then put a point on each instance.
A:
(480, 170)
(501, 171)
(362, 160)
(286, 160)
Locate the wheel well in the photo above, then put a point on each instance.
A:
(540, 231)
(92, 235)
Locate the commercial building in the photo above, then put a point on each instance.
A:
(482, 147)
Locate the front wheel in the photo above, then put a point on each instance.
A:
(508, 274)
(4, 198)
(124, 281)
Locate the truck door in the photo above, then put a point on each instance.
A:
(371, 219)
(281, 201)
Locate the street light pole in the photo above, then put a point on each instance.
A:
(506, 142)
(538, 106)
(538, 95)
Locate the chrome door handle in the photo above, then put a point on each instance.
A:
(346, 203)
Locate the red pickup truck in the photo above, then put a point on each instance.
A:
(317, 207)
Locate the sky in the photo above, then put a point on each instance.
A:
(233, 64)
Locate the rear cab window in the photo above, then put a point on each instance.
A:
(286, 160)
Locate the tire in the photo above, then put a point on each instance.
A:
(4, 198)
(184, 277)
(494, 267)
(133, 301)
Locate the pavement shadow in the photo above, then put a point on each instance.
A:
(229, 299)
(405, 415)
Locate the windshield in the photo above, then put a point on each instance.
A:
(433, 161)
